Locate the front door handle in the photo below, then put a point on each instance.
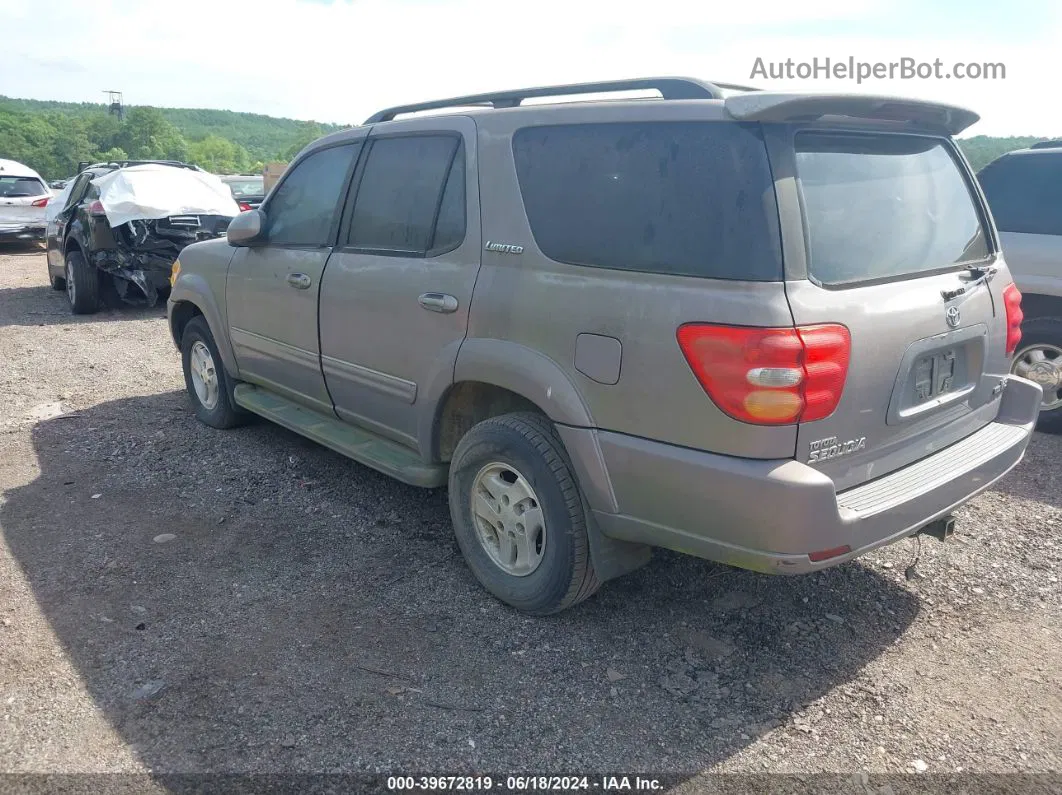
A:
(300, 281)
(438, 302)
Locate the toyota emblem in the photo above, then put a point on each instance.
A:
(952, 316)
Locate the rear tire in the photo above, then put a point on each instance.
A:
(205, 378)
(513, 468)
(82, 284)
(1039, 358)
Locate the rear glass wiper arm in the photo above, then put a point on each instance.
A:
(975, 274)
(979, 272)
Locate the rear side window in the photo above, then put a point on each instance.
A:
(22, 187)
(1025, 193)
(884, 206)
(301, 210)
(411, 199)
(681, 198)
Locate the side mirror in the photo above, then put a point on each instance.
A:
(246, 228)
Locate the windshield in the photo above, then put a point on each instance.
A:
(249, 187)
(884, 206)
(15, 187)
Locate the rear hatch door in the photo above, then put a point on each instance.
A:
(897, 248)
(22, 201)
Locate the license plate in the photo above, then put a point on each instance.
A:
(934, 375)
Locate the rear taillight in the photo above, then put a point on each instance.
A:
(40, 202)
(96, 208)
(244, 206)
(1012, 300)
(769, 376)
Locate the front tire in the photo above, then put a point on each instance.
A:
(1039, 358)
(205, 378)
(82, 284)
(518, 515)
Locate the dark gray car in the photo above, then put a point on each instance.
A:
(772, 330)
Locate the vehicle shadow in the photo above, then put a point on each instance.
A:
(43, 306)
(1039, 477)
(21, 247)
(250, 602)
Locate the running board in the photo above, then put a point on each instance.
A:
(363, 446)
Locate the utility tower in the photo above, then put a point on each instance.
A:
(114, 103)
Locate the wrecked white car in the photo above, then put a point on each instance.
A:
(121, 228)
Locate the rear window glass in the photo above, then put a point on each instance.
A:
(1025, 193)
(884, 206)
(682, 198)
(251, 187)
(15, 187)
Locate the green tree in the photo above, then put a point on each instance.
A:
(103, 129)
(308, 133)
(147, 135)
(218, 155)
(111, 155)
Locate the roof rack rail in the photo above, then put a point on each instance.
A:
(669, 88)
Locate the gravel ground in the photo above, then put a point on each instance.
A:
(175, 599)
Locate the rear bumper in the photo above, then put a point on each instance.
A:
(770, 516)
(13, 232)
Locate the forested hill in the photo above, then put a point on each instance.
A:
(981, 150)
(53, 137)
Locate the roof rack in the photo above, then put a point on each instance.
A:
(669, 88)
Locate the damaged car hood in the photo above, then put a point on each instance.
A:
(150, 192)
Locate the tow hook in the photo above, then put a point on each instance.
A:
(942, 529)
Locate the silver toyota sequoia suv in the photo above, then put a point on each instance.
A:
(772, 330)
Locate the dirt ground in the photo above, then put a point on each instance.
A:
(176, 599)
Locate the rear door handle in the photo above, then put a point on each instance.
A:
(300, 281)
(438, 302)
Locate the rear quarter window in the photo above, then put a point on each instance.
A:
(681, 198)
(881, 206)
(1025, 193)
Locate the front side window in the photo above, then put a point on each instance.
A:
(884, 206)
(77, 192)
(411, 199)
(678, 198)
(304, 205)
(1025, 193)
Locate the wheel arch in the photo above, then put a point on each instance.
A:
(494, 377)
(191, 297)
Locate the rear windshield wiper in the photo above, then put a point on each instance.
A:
(978, 272)
(975, 274)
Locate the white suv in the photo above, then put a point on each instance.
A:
(1024, 190)
(23, 198)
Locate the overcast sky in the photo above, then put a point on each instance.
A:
(340, 60)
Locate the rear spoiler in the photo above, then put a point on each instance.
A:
(779, 107)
